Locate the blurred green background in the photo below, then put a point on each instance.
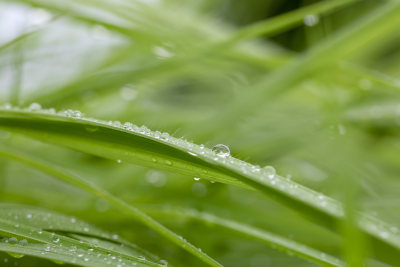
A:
(318, 98)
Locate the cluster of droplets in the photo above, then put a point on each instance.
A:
(85, 253)
(49, 221)
(219, 154)
(15, 241)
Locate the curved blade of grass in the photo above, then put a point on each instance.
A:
(53, 246)
(275, 241)
(123, 206)
(54, 221)
(141, 146)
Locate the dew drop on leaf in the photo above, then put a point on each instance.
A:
(311, 20)
(12, 241)
(15, 255)
(269, 171)
(91, 129)
(221, 150)
(35, 107)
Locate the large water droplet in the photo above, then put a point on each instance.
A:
(35, 107)
(269, 171)
(15, 255)
(311, 20)
(12, 241)
(221, 150)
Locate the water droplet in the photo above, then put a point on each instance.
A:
(56, 240)
(269, 171)
(196, 178)
(168, 162)
(311, 20)
(116, 124)
(128, 126)
(24, 242)
(29, 216)
(35, 107)
(115, 236)
(86, 229)
(91, 129)
(12, 241)
(47, 248)
(384, 235)
(73, 220)
(119, 161)
(156, 178)
(165, 136)
(221, 150)
(15, 255)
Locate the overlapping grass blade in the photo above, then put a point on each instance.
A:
(72, 226)
(57, 247)
(289, 246)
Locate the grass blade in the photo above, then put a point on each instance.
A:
(58, 247)
(278, 242)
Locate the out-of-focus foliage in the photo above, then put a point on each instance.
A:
(309, 87)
